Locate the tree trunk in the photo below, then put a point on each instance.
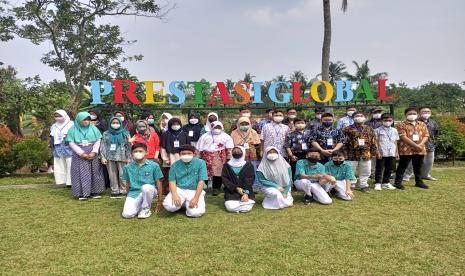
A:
(14, 124)
(326, 44)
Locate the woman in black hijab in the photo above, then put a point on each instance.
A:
(97, 120)
(193, 129)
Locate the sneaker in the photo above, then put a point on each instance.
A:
(388, 186)
(83, 198)
(364, 190)
(421, 185)
(144, 213)
(399, 186)
(307, 199)
(96, 197)
(406, 179)
(116, 196)
(215, 192)
(378, 187)
(430, 178)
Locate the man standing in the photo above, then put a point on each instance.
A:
(326, 138)
(316, 122)
(267, 118)
(297, 143)
(346, 120)
(290, 119)
(244, 111)
(375, 120)
(433, 129)
(274, 134)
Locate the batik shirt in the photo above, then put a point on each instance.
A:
(327, 138)
(360, 143)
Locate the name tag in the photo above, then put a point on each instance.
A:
(113, 147)
(415, 138)
(361, 142)
(191, 133)
(304, 146)
(246, 146)
(329, 142)
(213, 147)
(85, 143)
(176, 143)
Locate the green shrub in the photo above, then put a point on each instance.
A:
(451, 139)
(31, 151)
(7, 158)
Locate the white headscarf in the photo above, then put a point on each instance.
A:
(220, 141)
(59, 130)
(240, 162)
(207, 123)
(168, 117)
(276, 171)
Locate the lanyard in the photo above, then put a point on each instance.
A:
(388, 133)
(277, 131)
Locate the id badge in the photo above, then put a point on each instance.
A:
(113, 147)
(191, 133)
(85, 143)
(361, 142)
(304, 146)
(213, 147)
(246, 146)
(415, 138)
(329, 142)
(176, 143)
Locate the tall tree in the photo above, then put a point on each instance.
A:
(337, 71)
(299, 76)
(363, 72)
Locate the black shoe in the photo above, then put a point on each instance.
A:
(421, 185)
(307, 199)
(399, 186)
(364, 190)
(215, 192)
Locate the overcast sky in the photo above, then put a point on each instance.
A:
(415, 41)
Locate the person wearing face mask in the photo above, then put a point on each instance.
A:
(187, 182)
(211, 117)
(315, 123)
(360, 147)
(238, 176)
(247, 138)
(387, 137)
(142, 180)
(297, 143)
(343, 175)
(347, 120)
(290, 118)
(275, 177)
(413, 136)
(310, 176)
(150, 139)
(267, 118)
(274, 134)
(97, 120)
(61, 150)
(326, 138)
(171, 141)
(115, 153)
(150, 120)
(127, 124)
(375, 120)
(86, 171)
(194, 129)
(164, 119)
(244, 111)
(215, 148)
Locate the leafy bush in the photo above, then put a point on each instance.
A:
(31, 151)
(451, 140)
(7, 157)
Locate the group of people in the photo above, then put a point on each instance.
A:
(280, 153)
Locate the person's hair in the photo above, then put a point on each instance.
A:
(291, 108)
(187, 147)
(408, 109)
(376, 110)
(145, 115)
(277, 111)
(327, 115)
(299, 119)
(243, 107)
(319, 109)
(350, 106)
(268, 110)
(356, 113)
(139, 145)
(424, 106)
(337, 153)
(387, 116)
(313, 150)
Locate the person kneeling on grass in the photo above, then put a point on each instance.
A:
(275, 177)
(141, 175)
(238, 177)
(187, 178)
(311, 176)
(342, 174)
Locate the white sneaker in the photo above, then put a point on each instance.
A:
(144, 213)
(378, 187)
(82, 198)
(406, 179)
(388, 186)
(97, 197)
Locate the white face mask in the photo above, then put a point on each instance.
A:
(246, 115)
(300, 126)
(292, 116)
(93, 117)
(426, 116)
(121, 118)
(194, 121)
(176, 127)
(186, 158)
(217, 131)
(377, 116)
(350, 113)
(318, 116)
(412, 117)
(115, 126)
(359, 120)
(387, 124)
(150, 121)
(138, 155)
(278, 119)
(272, 156)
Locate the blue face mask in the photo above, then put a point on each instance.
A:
(327, 124)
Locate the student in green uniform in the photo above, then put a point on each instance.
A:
(342, 171)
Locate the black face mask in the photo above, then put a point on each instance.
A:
(237, 155)
(338, 163)
(312, 160)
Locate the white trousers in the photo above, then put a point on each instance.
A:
(274, 199)
(62, 170)
(340, 188)
(132, 206)
(364, 171)
(186, 196)
(237, 206)
(314, 190)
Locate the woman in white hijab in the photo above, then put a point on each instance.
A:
(164, 118)
(215, 147)
(61, 150)
(275, 177)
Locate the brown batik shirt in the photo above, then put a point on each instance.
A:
(409, 129)
(360, 143)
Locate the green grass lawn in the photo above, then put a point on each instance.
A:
(45, 231)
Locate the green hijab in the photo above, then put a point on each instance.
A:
(79, 133)
(117, 136)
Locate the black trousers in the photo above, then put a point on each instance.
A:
(417, 163)
(384, 167)
(217, 182)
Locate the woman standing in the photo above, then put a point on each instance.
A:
(60, 148)
(194, 129)
(164, 119)
(150, 139)
(171, 140)
(215, 148)
(86, 172)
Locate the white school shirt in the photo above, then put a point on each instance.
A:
(387, 137)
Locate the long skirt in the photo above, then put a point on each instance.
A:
(86, 175)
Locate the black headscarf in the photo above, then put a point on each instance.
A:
(194, 128)
(168, 137)
(101, 123)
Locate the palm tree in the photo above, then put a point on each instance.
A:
(248, 77)
(327, 37)
(300, 77)
(337, 71)
(362, 72)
